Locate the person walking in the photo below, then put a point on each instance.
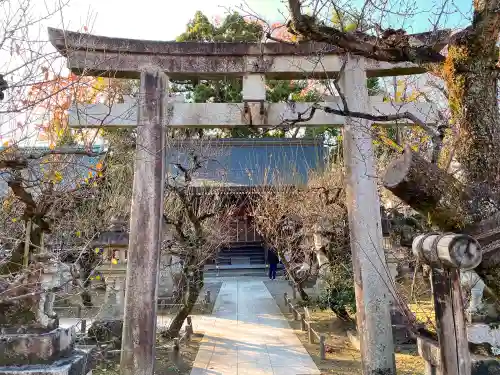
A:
(273, 260)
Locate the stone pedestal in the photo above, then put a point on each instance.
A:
(43, 353)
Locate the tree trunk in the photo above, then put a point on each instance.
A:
(302, 293)
(194, 286)
(471, 78)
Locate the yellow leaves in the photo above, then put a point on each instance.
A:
(6, 144)
(114, 261)
(97, 277)
(78, 234)
(7, 204)
(14, 220)
(52, 146)
(57, 177)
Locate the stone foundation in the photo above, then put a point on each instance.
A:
(79, 362)
(36, 348)
(43, 353)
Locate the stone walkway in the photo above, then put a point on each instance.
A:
(248, 335)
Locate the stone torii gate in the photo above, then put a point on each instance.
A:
(154, 62)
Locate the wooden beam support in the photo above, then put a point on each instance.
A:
(228, 115)
(139, 326)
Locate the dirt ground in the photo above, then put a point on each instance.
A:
(166, 362)
(341, 357)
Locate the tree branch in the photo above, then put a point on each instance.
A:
(394, 46)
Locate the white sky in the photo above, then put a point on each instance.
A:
(153, 19)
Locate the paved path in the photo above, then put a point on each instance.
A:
(248, 335)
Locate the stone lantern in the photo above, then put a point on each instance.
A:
(113, 245)
(31, 341)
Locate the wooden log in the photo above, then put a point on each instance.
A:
(450, 321)
(428, 190)
(139, 323)
(458, 251)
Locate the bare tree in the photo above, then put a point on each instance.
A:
(198, 219)
(469, 69)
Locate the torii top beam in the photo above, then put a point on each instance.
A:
(95, 55)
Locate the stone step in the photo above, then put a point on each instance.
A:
(241, 272)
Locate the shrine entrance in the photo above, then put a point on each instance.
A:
(154, 63)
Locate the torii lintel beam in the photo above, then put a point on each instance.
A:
(94, 55)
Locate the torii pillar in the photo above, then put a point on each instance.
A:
(139, 322)
(371, 275)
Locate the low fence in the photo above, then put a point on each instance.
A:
(306, 326)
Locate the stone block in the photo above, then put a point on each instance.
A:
(79, 362)
(36, 348)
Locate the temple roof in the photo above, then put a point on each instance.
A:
(234, 163)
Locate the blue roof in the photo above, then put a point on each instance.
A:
(249, 162)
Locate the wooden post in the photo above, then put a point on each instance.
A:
(285, 296)
(189, 325)
(446, 254)
(310, 333)
(302, 322)
(27, 242)
(450, 322)
(207, 297)
(139, 324)
(371, 275)
(322, 347)
(83, 322)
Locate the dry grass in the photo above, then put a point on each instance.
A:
(341, 357)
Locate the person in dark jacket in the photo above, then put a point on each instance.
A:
(273, 263)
